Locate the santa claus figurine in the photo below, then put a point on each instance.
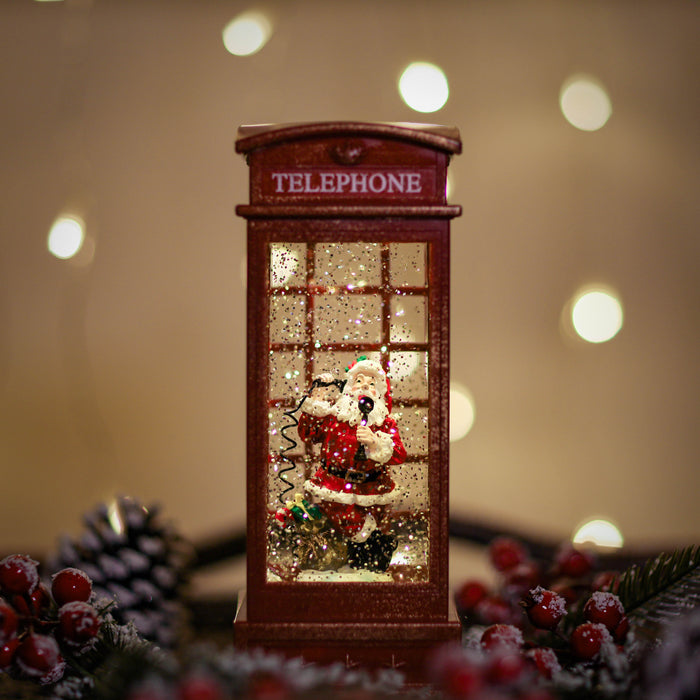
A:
(359, 441)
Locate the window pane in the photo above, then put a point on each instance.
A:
(412, 486)
(348, 264)
(354, 318)
(409, 374)
(333, 363)
(414, 429)
(408, 319)
(288, 318)
(410, 562)
(408, 264)
(287, 370)
(287, 264)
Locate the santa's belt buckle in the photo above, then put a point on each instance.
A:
(355, 476)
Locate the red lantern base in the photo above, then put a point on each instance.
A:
(404, 646)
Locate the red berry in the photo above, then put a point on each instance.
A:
(544, 608)
(588, 638)
(469, 594)
(21, 604)
(38, 657)
(266, 686)
(70, 585)
(450, 662)
(199, 688)
(506, 668)
(463, 681)
(18, 574)
(78, 623)
(506, 553)
(7, 653)
(40, 599)
(500, 637)
(605, 608)
(545, 661)
(573, 562)
(34, 604)
(8, 622)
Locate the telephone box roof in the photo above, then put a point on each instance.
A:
(441, 138)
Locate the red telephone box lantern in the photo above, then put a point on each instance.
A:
(348, 392)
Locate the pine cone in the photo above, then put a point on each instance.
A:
(135, 559)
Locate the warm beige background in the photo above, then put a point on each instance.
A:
(127, 373)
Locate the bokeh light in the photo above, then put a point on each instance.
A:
(462, 411)
(599, 532)
(596, 314)
(246, 34)
(66, 237)
(402, 365)
(423, 87)
(585, 103)
(284, 263)
(115, 519)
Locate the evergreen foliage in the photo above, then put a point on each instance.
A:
(663, 588)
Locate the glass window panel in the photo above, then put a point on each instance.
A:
(287, 264)
(335, 362)
(408, 319)
(354, 318)
(343, 265)
(409, 374)
(408, 262)
(287, 375)
(410, 560)
(288, 318)
(412, 487)
(413, 424)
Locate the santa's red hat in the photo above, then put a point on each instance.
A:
(363, 365)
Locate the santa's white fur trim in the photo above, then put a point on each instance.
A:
(349, 498)
(368, 527)
(381, 453)
(316, 407)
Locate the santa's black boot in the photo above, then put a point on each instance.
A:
(374, 553)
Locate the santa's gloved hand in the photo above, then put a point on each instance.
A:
(320, 392)
(321, 397)
(366, 437)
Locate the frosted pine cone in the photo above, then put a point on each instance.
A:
(136, 559)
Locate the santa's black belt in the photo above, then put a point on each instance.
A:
(353, 476)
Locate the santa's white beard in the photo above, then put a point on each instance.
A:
(346, 409)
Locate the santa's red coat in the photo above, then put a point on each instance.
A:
(339, 446)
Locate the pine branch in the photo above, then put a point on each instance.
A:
(663, 588)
